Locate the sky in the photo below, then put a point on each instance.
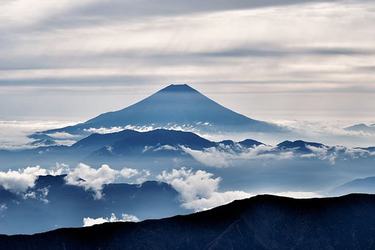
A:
(268, 59)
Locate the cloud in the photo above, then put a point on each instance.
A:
(90, 178)
(20, 180)
(39, 194)
(134, 175)
(94, 179)
(220, 46)
(330, 132)
(41, 11)
(14, 134)
(222, 157)
(88, 221)
(104, 130)
(146, 128)
(3, 207)
(199, 189)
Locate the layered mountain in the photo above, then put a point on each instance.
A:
(173, 106)
(121, 146)
(262, 222)
(159, 142)
(300, 146)
(53, 203)
(361, 185)
(129, 142)
(363, 128)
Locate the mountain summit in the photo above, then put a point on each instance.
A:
(177, 105)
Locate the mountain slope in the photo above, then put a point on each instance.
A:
(175, 105)
(130, 139)
(363, 185)
(262, 222)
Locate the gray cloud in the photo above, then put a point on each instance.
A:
(269, 47)
(120, 10)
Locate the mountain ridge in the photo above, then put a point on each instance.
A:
(260, 222)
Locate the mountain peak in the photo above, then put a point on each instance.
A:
(174, 105)
(178, 88)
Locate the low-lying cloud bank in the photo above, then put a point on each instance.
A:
(91, 179)
(88, 221)
(226, 156)
(199, 190)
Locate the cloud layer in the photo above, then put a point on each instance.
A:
(238, 47)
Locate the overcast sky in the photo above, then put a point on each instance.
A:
(268, 59)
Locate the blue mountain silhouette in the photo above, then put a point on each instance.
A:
(178, 105)
(66, 205)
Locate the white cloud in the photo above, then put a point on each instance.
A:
(94, 179)
(134, 175)
(39, 194)
(59, 169)
(20, 180)
(215, 199)
(88, 221)
(103, 130)
(90, 178)
(199, 189)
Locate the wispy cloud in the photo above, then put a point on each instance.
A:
(220, 46)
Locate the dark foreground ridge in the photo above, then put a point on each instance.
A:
(262, 222)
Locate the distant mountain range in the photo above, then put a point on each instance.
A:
(364, 128)
(300, 146)
(126, 144)
(134, 146)
(361, 185)
(262, 222)
(173, 106)
(52, 203)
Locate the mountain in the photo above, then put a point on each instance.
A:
(128, 141)
(299, 146)
(261, 222)
(249, 143)
(52, 203)
(364, 128)
(126, 145)
(362, 185)
(173, 106)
